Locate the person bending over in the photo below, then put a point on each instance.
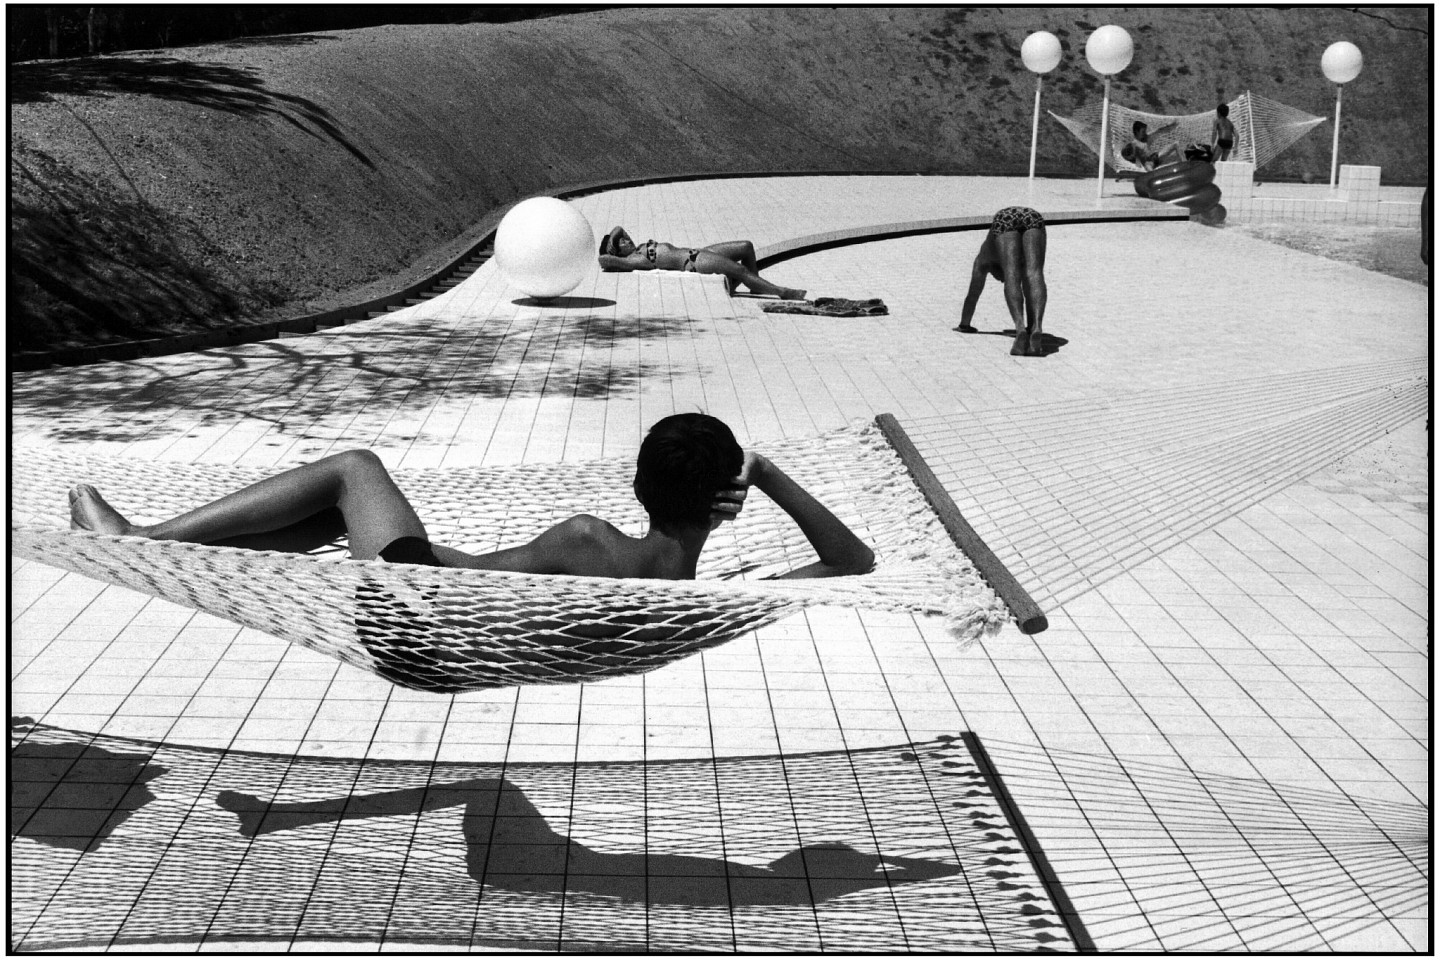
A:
(1013, 252)
(734, 260)
(1222, 134)
(691, 475)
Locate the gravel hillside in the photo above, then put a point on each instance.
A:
(175, 190)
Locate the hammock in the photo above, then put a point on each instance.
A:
(1090, 487)
(448, 630)
(1264, 128)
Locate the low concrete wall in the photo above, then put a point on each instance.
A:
(1357, 199)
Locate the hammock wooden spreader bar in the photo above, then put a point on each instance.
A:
(1027, 613)
(449, 630)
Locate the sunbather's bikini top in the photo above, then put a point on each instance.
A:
(650, 250)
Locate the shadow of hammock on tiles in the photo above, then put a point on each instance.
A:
(1071, 494)
(1214, 863)
(124, 842)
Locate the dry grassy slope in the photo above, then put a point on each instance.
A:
(286, 175)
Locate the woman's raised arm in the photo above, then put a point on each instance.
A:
(841, 552)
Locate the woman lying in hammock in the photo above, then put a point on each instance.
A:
(691, 476)
(735, 260)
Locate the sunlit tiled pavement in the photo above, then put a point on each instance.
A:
(1220, 747)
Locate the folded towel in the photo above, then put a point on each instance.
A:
(829, 307)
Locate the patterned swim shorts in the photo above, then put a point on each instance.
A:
(1018, 219)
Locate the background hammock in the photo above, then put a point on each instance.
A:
(448, 630)
(1264, 128)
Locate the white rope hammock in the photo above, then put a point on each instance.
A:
(448, 630)
(1085, 489)
(1264, 128)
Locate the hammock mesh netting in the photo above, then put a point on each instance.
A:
(1078, 492)
(447, 630)
(229, 847)
(1264, 128)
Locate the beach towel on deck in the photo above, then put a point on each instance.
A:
(830, 307)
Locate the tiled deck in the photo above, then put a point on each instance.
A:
(1221, 745)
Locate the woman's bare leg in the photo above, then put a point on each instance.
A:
(741, 251)
(265, 515)
(710, 262)
(1032, 244)
(1012, 267)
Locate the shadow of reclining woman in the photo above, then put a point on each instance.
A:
(509, 845)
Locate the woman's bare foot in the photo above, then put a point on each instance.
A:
(792, 294)
(89, 511)
(1022, 344)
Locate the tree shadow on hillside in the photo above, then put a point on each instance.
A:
(283, 40)
(300, 387)
(214, 86)
(89, 264)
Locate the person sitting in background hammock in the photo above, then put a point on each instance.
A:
(734, 259)
(691, 476)
(1142, 150)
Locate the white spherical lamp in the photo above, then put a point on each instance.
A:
(1109, 50)
(1341, 62)
(1041, 52)
(544, 247)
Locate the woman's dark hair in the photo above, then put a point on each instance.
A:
(684, 461)
(606, 240)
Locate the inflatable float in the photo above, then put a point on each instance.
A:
(1186, 183)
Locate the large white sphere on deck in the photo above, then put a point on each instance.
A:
(1041, 52)
(1109, 50)
(1341, 62)
(544, 247)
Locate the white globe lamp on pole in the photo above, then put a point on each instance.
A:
(1041, 53)
(1341, 63)
(1109, 50)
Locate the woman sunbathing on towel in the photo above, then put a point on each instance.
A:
(691, 475)
(735, 260)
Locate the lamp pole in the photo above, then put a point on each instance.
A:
(1035, 126)
(1109, 50)
(1041, 53)
(1341, 63)
(1104, 141)
(1335, 143)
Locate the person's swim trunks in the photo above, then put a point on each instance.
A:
(1017, 220)
(689, 266)
(1226, 143)
(415, 550)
